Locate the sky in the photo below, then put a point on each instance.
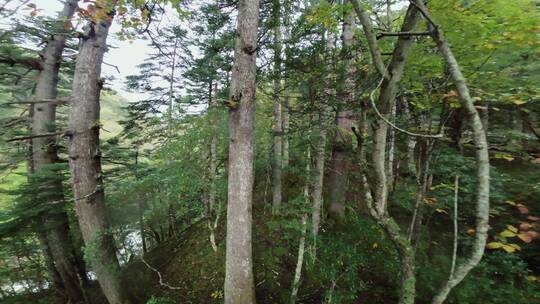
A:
(126, 55)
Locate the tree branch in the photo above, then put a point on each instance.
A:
(383, 34)
(29, 62)
(35, 136)
(159, 276)
(371, 38)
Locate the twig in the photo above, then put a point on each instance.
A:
(372, 102)
(52, 101)
(35, 136)
(112, 65)
(383, 34)
(454, 251)
(159, 275)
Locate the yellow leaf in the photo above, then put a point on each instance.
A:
(512, 228)
(531, 278)
(509, 248)
(505, 156)
(507, 233)
(441, 210)
(494, 245)
(375, 245)
(519, 101)
(516, 246)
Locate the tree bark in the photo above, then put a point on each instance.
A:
(377, 206)
(239, 286)
(388, 91)
(85, 158)
(44, 155)
(342, 145)
(278, 128)
(54, 276)
(302, 242)
(211, 213)
(391, 148)
(482, 159)
(320, 159)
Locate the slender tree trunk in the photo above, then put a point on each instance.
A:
(44, 156)
(391, 148)
(388, 91)
(85, 158)
(171, 89)
(302, 242)
(141, 227)
(389, 87)
(239, 286)
(278, 129)
(320, 159)
(482, 160)
(211, 222)
(411, 142)
(285, 108)
(140, 207)
(342, 145)
(300, 258)
(484, 117)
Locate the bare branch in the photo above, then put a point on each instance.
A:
(35, 136)
(159, 275)
(112, 65)
(391, 124)
(394, 34)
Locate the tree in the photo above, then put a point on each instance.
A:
(278, 128)
(239, 285)
(342, 144)
(85, 157)
(44, 154)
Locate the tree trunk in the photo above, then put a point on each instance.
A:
(302, 242)
(239, 286)
(391, 148)
(285, 110)
(342, 145)
(85, 158)
(211, 213)
(278, 130)
(54, 276)
(388, 91)
(411, 142)
(300, 257)
(320, 158)
(482, 159)
(389, 87)
(65, 262)
(319, 179)
(44, 155)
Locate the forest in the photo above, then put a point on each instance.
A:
(269, 151)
